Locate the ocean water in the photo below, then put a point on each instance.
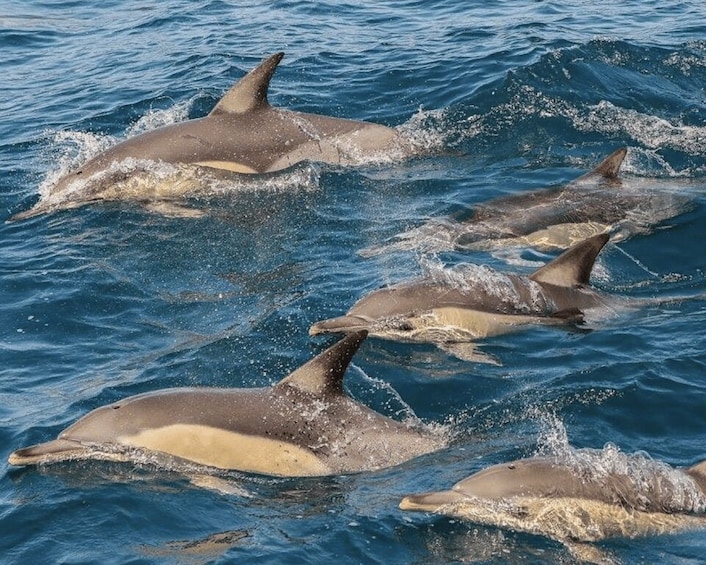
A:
(110, 300)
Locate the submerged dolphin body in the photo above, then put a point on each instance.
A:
(305, 425)
(453, 315)
(552, 218)
(242, 134)
(573, 503)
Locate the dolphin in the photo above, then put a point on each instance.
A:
(576, 503)
(305, 425)
(453, 315)
(242, 134)
(552, 218)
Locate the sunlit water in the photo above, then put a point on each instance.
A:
(110, 300)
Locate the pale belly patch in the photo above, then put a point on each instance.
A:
(228, 166)
(229, 450)
(463, 323)
(558, 236)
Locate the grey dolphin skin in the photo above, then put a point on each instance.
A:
(452, 315)
(591, 203)
(553, 218)
(305, 425)
(242, 134)
(575, 505)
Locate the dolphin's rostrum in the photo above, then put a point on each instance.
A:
(305, 425)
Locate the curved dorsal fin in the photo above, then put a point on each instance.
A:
(574, 266)
(698, 473)
(323, 375)
(609, 167)
(250, 92)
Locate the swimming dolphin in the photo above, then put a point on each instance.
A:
(305, 425)
(453, 315)
(553, 218)
(573, 503)
(242, 134)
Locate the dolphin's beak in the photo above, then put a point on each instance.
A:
(35, 210)
(430, 501)
(342, 324)
(49, 452)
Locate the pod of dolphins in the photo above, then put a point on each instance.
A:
(306, 424)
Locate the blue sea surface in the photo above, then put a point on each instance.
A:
(110, 300)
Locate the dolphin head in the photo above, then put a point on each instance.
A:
(536, 477)
(103, 178)
(341, 324)
(60, 194)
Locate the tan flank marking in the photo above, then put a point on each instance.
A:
(230, 450)
(228, 166)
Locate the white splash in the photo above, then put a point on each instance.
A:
(68, 151)
(157, 118)
(650, 131)
(643, 475)
(520, 293)
(428, 131)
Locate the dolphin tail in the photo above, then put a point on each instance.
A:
(430, 501)
(573, 267)
(342, 324)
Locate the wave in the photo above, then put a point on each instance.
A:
(614, 89)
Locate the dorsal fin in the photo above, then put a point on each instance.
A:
(574, 266)
(609, 167)
(250, 92)
(698, 473)
(323, 375)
